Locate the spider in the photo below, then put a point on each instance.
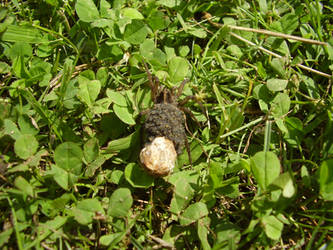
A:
(164, 128)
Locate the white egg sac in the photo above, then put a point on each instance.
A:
(159, 156)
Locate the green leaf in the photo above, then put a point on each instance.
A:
(184, 50)
(25, 34)
(48, 228)
(101, 106)
(178, 69)
(26, 126)
(131, 13)
(11, 129)
(20, 49)
(4, 69)
(19, 68)
(60, 176)
(168, 3)
(102, 75)
(89, 90)
(135, 32)
(123, 143)
(116, 176)
(158, 21)
(26, 146)
(198, 32)
(311, 87)
(227, 233)
(275, 85)
(152, 54)
(97, 163)
(184, 183)
(107, 240)
(68, 156)
(137, 177)
(4, 236)
(124, 113)
(216, 174)
(265, 167)
(18, 168)
(43, 111)
(86, 10)
(235, 50)
(44, 50)
(196, 152)
(23, 185)
(289, 22)
(91, 149)
(278, 65)
(116, 97)
(193, 213)
(86, 210)
(280, 105)
(273, 227)
(326, 179)
(120, 202)
(285, 182)
(202, 227)
(263, 6)
(104, 8)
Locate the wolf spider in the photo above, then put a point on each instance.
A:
(164, 127)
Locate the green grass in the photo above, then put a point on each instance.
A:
(71, 91)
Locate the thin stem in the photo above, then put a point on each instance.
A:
(265, 32)
(253, 44)
(242, 127)
(59, 35)
(313, 70)
(279, 56)
(278, 34)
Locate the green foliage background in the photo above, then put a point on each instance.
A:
(72, 88)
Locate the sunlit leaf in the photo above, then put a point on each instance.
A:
(89, 90)
(273, 227)
(131, 13)
(193, 213)
(68, 156)
(86, 210)
(26, 146)
(135, 32)
(178, 69)
(24, 186)
(120, 202)
(280, 105)
(91, 149)
(137, 177)
(26, 34)
(326, 179)
(285, 182)
(86, 10)
(265, 167)
(276, 84)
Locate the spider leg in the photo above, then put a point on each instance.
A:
(188, 149)
(154, 87)
(192, 97)
(186, 110)
(180, 88)
(187, 129)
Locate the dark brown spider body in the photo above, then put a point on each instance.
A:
(166, 120)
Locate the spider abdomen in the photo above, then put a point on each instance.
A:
(166, 120)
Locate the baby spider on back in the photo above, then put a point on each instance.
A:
(164, 128)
